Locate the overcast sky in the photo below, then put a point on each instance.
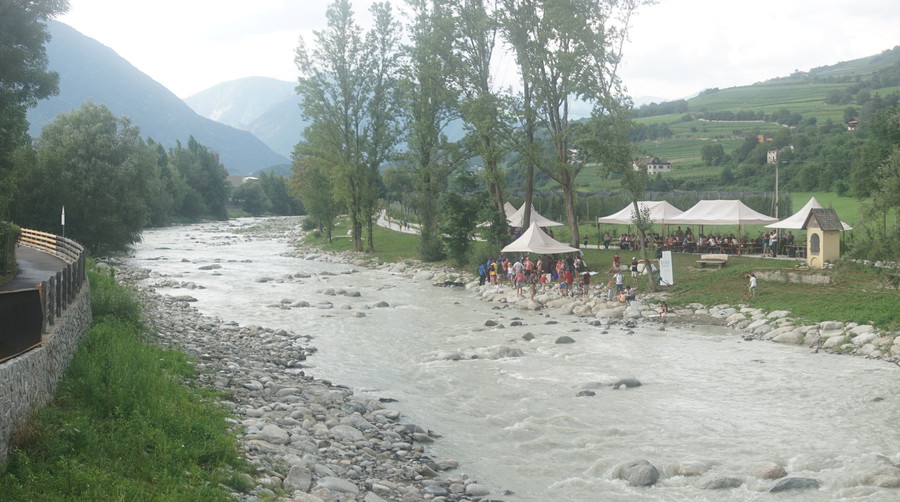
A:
(677, 47)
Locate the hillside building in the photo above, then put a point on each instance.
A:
(772, 155)
(654, 165)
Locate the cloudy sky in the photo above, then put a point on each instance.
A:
(677, 47)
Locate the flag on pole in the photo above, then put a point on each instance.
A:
(63, 216)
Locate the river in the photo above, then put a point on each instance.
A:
(516, 423)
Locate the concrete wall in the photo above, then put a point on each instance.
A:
(28, 381)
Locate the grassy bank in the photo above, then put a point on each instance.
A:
(856, 293)
(125, 424)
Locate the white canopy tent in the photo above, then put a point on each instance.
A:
(518, 218)
(661, 212)
(534, 240)
(797, 220)
(721, 212)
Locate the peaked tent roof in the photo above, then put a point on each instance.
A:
(721, 212)
(660, 212)
(518, 218)
(534, 240)
(798, 219)
(509, 209)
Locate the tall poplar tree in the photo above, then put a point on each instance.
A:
(477, 35)
(567, 50)
(431, 104)
(347, 84)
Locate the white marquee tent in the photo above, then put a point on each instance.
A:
(518, 218)
(721, 212)
(534, 240)
(797, 219)
(661, 212)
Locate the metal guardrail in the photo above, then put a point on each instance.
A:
(60, 289)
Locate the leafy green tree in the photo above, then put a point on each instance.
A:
(567, 50)
(347, 87)
(98, 167)
(252, 197)
(206, 178)
(431, 104)
(713, 154)
(605, 139)
(461, 217)
(24, 80)
(311, 184)
(477, 31)
(276, 189)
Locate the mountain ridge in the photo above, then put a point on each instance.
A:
(91, 71)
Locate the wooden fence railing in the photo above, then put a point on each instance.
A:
(59, 289)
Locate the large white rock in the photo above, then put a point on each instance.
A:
(610, 314)
(755, 324)
(337, 485)
(862, 329)
(833, 342)
(790, 337)
(831, 325)
(864, 338)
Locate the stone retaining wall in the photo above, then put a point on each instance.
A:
(29, 380)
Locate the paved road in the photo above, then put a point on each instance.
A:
(34, 267)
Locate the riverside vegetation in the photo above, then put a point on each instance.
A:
(127, 422)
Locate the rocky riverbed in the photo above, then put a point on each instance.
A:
(308, 440)
(311, 440)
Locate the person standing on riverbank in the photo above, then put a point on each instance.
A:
(751, 285)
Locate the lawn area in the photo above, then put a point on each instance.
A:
(856, 293)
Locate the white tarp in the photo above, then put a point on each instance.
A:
(660, 213)
(518, 218)
(721, 212)
(797, 219)
(534, 240)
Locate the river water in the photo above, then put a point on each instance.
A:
(515, 423)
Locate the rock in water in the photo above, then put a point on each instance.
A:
(769, 470)
(626, 383)
(720, 483)
(637, 473)
(794, 484)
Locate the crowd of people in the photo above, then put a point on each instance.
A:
(547, 272)
(567, 273)
(769, 243)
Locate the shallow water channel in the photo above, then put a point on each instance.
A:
(515, 423)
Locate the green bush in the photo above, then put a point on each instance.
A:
(9, 235)
(109, 298)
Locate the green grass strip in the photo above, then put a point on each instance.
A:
(125, 424)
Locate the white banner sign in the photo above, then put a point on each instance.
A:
(666, 271)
